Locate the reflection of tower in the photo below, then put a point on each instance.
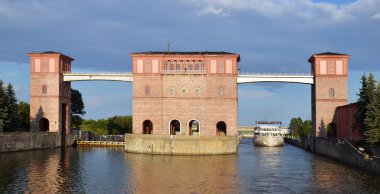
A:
(330, 89)
(50, 96)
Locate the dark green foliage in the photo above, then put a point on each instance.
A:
(77, 108)
(300, 128)
(117, 125)
(372, 119)
(24, 115)
(3, 108)
(361, 104)
(12, 108)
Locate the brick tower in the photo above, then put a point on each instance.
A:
(185, 93)
(330, 90)
(50, 96)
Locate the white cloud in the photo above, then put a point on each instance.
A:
(301, 9)
(376, 16)
(214, 11)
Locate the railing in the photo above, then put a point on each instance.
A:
(97, 73)
(183, 71)
(274, 74)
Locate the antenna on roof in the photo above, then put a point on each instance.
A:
(169, 42)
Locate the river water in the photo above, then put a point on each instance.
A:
(285, 169)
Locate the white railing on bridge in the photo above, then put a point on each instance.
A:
(303, 78)
(193, 71)
(100, 76)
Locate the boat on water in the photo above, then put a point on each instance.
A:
(268, 133)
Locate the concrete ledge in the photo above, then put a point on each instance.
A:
(180, 145)
(20, 141)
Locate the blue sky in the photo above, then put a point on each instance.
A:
(271, 36)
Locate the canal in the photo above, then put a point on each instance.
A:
(285, 169)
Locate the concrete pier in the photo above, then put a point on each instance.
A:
(181, 145)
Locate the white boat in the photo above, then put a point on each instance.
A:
(268, 133)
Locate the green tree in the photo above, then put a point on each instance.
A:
(366, 94)
(295, 126)
(77, 108)
(3, 108)
(372, 119)
(24, 115)
(98, 127)
(361, 104)
(306, 129)
(119, 125)
(12, 109)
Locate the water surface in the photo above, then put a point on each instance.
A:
(108, 170)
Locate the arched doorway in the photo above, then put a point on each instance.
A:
(221, 128)
(331, 130)
(175, 127)
(194, 127)
(44, 124)
(147, 127)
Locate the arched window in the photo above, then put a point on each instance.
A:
(221, 128)
(147, 127)
(44, 124)
(175, 127)
(194, 127)
(331, 93)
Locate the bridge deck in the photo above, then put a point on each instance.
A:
(241, 78)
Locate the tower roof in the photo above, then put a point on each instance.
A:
(327, 54)
(51, 53)
(186, 53)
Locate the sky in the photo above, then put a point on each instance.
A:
(272, 36)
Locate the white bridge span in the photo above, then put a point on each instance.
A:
(124, 77)
(288, 78)
(241, 78)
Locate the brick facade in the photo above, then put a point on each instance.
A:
(330, 89)
(50, 97)
(185, 87)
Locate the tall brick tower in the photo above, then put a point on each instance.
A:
(330, 90)
(50, 96)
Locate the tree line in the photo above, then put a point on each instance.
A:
(14, 115)
(368, 105)
(299, 128)
(115, 125)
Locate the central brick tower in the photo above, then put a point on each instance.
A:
(330, 90)
(50, 96)
(185, 93)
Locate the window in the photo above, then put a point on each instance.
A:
(202, 65)
(44, 65)
(147, 90)
(178, 68)
(331, 93)
(165, 65)
(331, 67)
(44, 89)
(220, 66)
(148, 66)
(172, 66)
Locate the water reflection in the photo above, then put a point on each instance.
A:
(171, 174)
(253, 170)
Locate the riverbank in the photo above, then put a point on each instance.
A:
(340, 150)
(21, 141)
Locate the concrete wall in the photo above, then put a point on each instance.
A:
(20, 141)
(339, 150)
(180, 145)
